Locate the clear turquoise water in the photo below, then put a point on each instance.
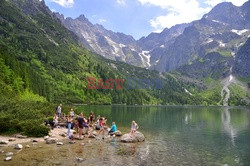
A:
(178, 135)
(175, 135)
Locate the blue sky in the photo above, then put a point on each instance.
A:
(136, 17)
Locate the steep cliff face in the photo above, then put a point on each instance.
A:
(111, 45)
(242, 61)
(222, 30)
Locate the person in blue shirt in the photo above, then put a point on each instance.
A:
(113, 128)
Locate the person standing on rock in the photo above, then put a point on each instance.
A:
(134, 127)
(69, 123)
(55, 120)
(80, 124)
(101, 125)
(59, 110)
(91, 118)
(85, 124)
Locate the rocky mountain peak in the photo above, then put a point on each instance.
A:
(82, 18)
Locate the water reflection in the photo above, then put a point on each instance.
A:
(188, 117)
(178, 134)
(228, 127)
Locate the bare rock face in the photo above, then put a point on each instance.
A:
(137, 137)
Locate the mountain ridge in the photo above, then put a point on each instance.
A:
(155, 50)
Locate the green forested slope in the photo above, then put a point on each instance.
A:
(48, 60)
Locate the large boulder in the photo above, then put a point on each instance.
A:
(46, 137)
(51, 141)
(21, 136)
(59, 143)
(12, 139)
(4, 142)
(8, 159)
(117, 133)
(18, 146)
(137, 137)
(9, 154)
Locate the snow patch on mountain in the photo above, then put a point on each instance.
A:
(122, 45)
(239, 32)
(116, 47)
(209, 40)
(222, 44)
(219, 22)
(145, 57)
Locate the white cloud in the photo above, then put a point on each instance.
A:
(65, 3)
(213, 2)
(102, 21)
(121, 2)
(178, 11)
(181, 11)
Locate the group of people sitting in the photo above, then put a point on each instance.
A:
(80, 122)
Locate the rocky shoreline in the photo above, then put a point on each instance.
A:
(58, 136)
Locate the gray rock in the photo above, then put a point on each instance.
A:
(59, 143)
(79, 138)
(8, 159)
(94, 133)
(12, 139)
(51, 141)
(34, 140)
(80, 159)
(72, 142)
(27, 146)
(1, 151)
(21, 136)
(63, 134)
(4, 142)
(52, 136)
(46, 137)
(137, 137)
(18, 146)
(34, 143)
(92, 136)
(117, 133)
(9, 154)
